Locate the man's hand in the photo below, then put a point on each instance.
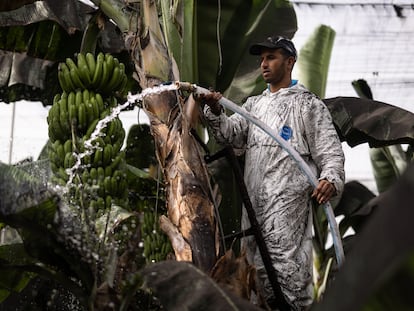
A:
(212, 100)
(324, 191)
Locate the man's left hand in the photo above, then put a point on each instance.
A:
(324, 191)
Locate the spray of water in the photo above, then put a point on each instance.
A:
(90, 148)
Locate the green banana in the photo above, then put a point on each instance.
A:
(60, 150)
(61, 173)
(108, 171)
(111, 102)
(91, 128)
(110, 129)
(51, 133)
(95, 107)
(100, 102)
(109, 59)
(108, 185)
(123, 188)
(123, 84)
(91, 62)
(86, 95)
(70, 63)
(82, 118)
(107, 154)
(71, 99)
(78, 97)
(56, 98)
(69, 160)
(100, 203)
(64, 116)
(104, 78)
(62, 81)
(108, 202)
(83, 70)
(116, 161)
(99, 142)
(85, 177)
(55, 122)
(97, 76)
(114, 187)
(74, 75)
(114, 81)
(67, 146)
(97, 158)
(101, 173)
(94, 174)
(86, 160)
(116, 62)
(53, 165)
(122, 67)
(66, 75)
(73, 115)
(90, 112)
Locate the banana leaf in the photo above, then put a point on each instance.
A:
(379, 124)
(65, 13)
(354, 206)
(388, 162)
(139, 139)
(231, 69)
(30, 207)
(180, 29)
(314, 58)
(378, 272)
(12, 280)
(28, 58)
(181, 286)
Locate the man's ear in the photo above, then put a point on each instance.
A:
(291, 62)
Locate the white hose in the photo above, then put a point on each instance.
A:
(336, 237)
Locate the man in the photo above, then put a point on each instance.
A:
(280, 192)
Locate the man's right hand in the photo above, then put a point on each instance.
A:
(212, 100)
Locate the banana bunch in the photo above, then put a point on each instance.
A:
(105, 74)
(72, 119)
(79, 110)
(156, 244)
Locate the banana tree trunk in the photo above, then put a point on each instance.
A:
(191, 224)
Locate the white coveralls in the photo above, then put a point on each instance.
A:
(278, 189)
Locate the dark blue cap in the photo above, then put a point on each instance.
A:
(274, 42)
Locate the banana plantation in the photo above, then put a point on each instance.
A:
(149, 219)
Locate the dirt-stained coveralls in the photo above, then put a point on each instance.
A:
(278, 189)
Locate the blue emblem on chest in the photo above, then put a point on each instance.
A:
(286, 132)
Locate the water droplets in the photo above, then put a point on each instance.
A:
(90, 147)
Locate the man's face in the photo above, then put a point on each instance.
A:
(275, 66)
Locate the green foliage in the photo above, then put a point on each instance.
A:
(13, 279)
(230, 69)
(181, 286)
(379, 268)
(314, 58)
(43, 40)
(31, 208)
(140, 148)
(388, 162)
(146, 192)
